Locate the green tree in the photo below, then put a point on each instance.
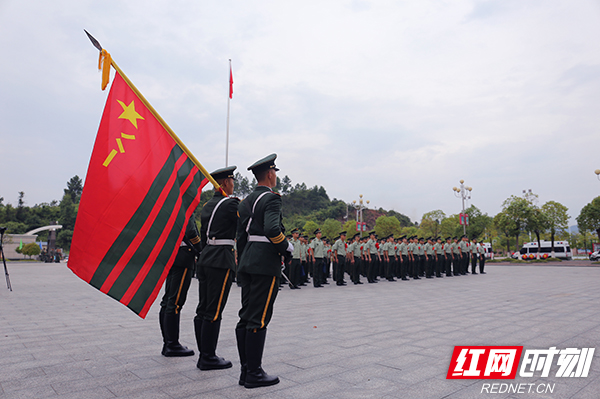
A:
(350, 227)
(331, 228)
(589, 217)
(505, 224)
(478, 222)
(309, 228)
(31, 249)
(517, 209)
(450, 227)
(63, 239)
(286, 185)
(537, 221)
(242, 186)
(558, 218)
(431, 223)
(74, 189)
(386, 225)
(68, 212)
(16, 228)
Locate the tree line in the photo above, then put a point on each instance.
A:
(309, 208)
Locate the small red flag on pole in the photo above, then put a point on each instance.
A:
(230, 82)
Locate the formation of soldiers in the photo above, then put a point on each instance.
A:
(387, 258)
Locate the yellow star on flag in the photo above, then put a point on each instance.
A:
(129, 113)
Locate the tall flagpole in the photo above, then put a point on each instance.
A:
(228, 101)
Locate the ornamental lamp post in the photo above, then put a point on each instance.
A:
(464, 193)
(359, 212)
(597, 172)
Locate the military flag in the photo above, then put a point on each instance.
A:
(141, 188)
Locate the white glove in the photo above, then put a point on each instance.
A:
(290, 247)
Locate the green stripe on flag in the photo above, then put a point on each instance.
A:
(131, 270)
(148, 285)
(136, 222)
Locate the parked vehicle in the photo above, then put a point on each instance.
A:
(595, 255)
(530, 250)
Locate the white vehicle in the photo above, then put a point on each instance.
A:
(530, 250)
(489, 254)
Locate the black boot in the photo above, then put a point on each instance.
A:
(208, 346)
(161, 322)
(240, 336)
(198, 332)
(255, 375)
(172, 347)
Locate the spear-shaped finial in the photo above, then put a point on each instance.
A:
(93, 40)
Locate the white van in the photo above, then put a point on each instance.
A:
(530, 250)
(489, 254)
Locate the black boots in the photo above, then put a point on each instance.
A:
(255, 375)
(169, 326)
(240, 336)
(209, 336)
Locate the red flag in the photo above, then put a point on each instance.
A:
(140, 191)
(230, 82)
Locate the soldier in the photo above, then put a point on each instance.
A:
(474, 256)
(464, 249)
(481, 252)
(421, 248)
(429, 258)
(403, 250)
(317, 253)
(456, 257)
(296, 260)
(388, 252)
(413, 255)
(177, 285)
(373, 257)
(448, 253)
(216, 265)
(440, 258)
(306, 265)
(354, 254)
(261, 245)
(339, 256)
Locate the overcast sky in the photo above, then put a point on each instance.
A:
(395, 100)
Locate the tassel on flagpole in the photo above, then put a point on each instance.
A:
(104, 64)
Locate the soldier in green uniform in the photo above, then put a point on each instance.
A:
(481, 252)
(413, 253)
(261, 245)
(339, 257)
(464, 252)
(421, 247)
(215, 268)
(373, 257)
(474, 256)
(456, 257)
(305, 259)
(429, 260)
(177, 285)
(354, 253)
(317, 251)
(403, 251)
(296, 265)
(448, 254)
(439, 257)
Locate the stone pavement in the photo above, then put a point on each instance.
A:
(61, 338)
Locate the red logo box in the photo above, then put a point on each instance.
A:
(484, 362)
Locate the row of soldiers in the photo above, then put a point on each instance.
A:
(373, 258)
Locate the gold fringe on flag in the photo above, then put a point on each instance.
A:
(104, 63)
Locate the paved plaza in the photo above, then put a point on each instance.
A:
(61, 338)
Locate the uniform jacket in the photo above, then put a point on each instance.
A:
(261, 257)
(223, 226)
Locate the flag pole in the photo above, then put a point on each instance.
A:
(158, 117)
(228, 101)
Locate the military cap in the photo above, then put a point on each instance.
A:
(266, 163)
(317, 231)
(305, 236)
(402, 237)
(343, 233)
(296, 230)
(356, 235)
(448, 238)
(336, 238)
(223, 173)
(372, 232)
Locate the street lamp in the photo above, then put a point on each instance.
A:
(464, 193)
(359, 211)
(597, 172)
